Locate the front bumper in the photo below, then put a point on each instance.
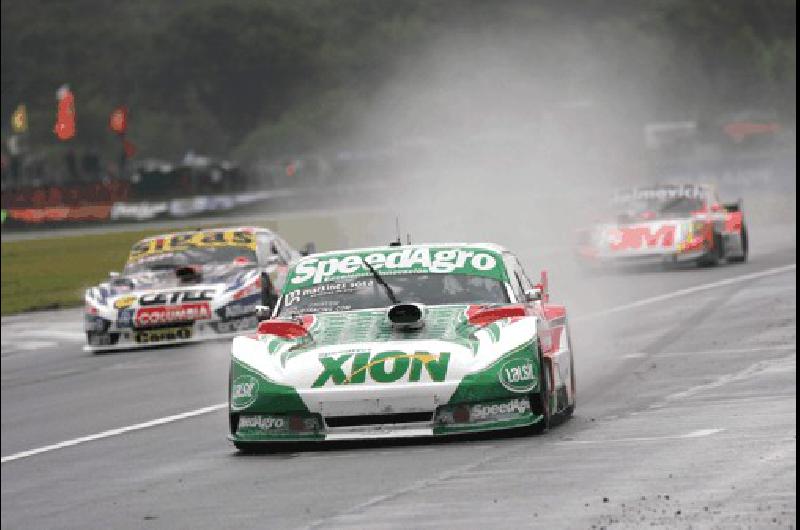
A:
(641, 258)
(113, 337)
(497, 397)
(494, 415)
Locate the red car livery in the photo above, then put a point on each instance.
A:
(667, 223)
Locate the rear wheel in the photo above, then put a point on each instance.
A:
(745, 248)
(567, 412)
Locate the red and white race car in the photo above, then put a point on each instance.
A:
(667, 224)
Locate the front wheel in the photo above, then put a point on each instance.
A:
(714, 254)
(246, 448)
(540, 401)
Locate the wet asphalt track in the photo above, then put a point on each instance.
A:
(686, 418)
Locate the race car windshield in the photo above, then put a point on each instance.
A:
(657, 208)
(365, 292)
(191, 256)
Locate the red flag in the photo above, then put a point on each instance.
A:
(119, 120)
(65, 121)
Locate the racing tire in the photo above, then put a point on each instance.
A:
(540, 400)
(745, 248)
(714, 254)
(248, 448)
(570, 410)
(565, 414)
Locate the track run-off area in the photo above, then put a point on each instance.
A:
(686, 417)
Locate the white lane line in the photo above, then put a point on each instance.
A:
(113, 432)
(689, 290)
(205, 410)
(694, 434)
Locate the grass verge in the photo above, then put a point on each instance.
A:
(54, 272)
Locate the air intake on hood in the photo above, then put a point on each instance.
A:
(188, 274)
(407, 316)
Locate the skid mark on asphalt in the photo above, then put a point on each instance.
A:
(470, 470)
(218, 406)
(783, 364)
(694, 434)
(687, 291)
(723, 351)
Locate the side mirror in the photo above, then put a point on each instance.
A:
(263, 312)
(535, 294)
(543, 285)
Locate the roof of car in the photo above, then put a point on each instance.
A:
(256, 229)
(659, 186)
(388, 248)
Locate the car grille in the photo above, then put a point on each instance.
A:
(378, 419)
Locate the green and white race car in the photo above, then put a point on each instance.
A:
(399, 341)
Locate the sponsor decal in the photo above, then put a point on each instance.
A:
(493, 411)
(125, 318)
(124, 301)
(636, 237)
(153, 316)
(277, 423)
(244, 391)
(184, 241)
(475, 262)
(176, 297)
(688, 191)
(262, 423)
(385, 367)
(162, 334)
(518, 375)
(138, 210)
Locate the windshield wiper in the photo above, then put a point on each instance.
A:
(381, 281)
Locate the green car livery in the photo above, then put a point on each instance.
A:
(399, 341)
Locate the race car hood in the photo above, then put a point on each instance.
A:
(170, 287)
(209, 274)
(360, 350)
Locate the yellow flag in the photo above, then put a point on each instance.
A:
(19, 120)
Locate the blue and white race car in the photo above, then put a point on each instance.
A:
(188, 286)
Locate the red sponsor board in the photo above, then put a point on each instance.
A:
(154, 316)
(638, 237)
(60, 213)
